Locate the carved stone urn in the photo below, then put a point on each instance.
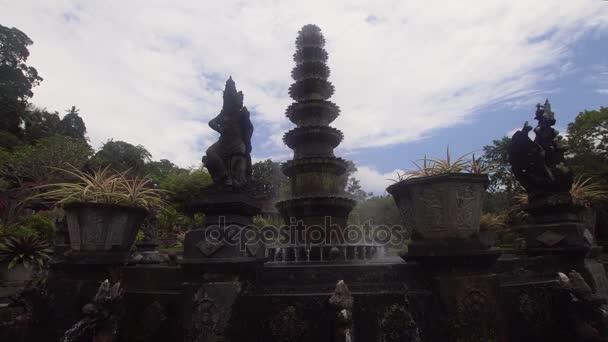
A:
(441, 207)
(102, 228)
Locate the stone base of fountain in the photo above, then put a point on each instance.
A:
(324, 253)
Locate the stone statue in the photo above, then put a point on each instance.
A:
(228, 160)
(539, 165)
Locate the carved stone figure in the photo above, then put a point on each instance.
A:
(539, 165)
(586, 310)
(101, 316)
(229, 160)
(206, 318)
(342, 302)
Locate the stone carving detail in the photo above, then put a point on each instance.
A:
(432, 211)
(151, 319)
(208, 248)
(474, 304)
(465, 204)
(205, 318)
(549, 238)
(396, 324)
(229, 159)
(288, 325)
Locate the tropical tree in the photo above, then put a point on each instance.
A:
(40, 123)
(353, 185)
(16, 78)
(588, 142)
(268, 179)
(40, 161)
(72, 124)
(121, 156)
(182, 186)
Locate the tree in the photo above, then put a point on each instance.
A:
(38, 162)
(268, 179)
(16, 78)
(39, 123)
(353, 185)
(159, 170)
(72, 124)
(588, 142)
(121, 156)
(502, 179)
(184, 186)
(376, 210)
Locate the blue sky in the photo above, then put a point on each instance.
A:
(410, 77)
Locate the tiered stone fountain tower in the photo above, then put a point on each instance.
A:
(317, 175)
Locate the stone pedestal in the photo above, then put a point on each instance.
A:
(220, 259)
(556, 238)
(72, 283)
(228, 233)
(467, 289)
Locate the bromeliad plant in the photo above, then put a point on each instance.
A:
(437, 166)
(104, 186)
(26, 250)
(584, 191)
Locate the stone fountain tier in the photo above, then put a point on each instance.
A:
(316, 70)
(314, 210)
(311, 89)
(313, 141)
(312, 113)
(319, 176)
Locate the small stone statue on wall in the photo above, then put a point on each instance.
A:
(229, 160)
(539, 165)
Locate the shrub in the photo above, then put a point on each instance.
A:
(33, 225)
(24, 250)
(104, 186)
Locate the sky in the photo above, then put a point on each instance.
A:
(411, 77)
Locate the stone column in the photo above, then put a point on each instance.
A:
(220, 259)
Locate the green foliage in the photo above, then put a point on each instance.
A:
(8, 140)
(41, 161)
(353, 185)
(72, 124)
(502, 179)
(33, 225)
(587, 192)
(184, 186)
(268, 179)
(588, 142)
(376, 210)
(158, 170)
(26, 250)
(491, 221)
(438, 166)
(104, 186)
(16, 78)
(121, 156)
(39, 123)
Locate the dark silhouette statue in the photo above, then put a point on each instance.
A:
(539, 165)
(229, 160)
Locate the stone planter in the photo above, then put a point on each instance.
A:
(441, 207)
(98, 227)
(17, 275)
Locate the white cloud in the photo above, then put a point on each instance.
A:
(151, 72)
(373, 180)
(602, 91)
